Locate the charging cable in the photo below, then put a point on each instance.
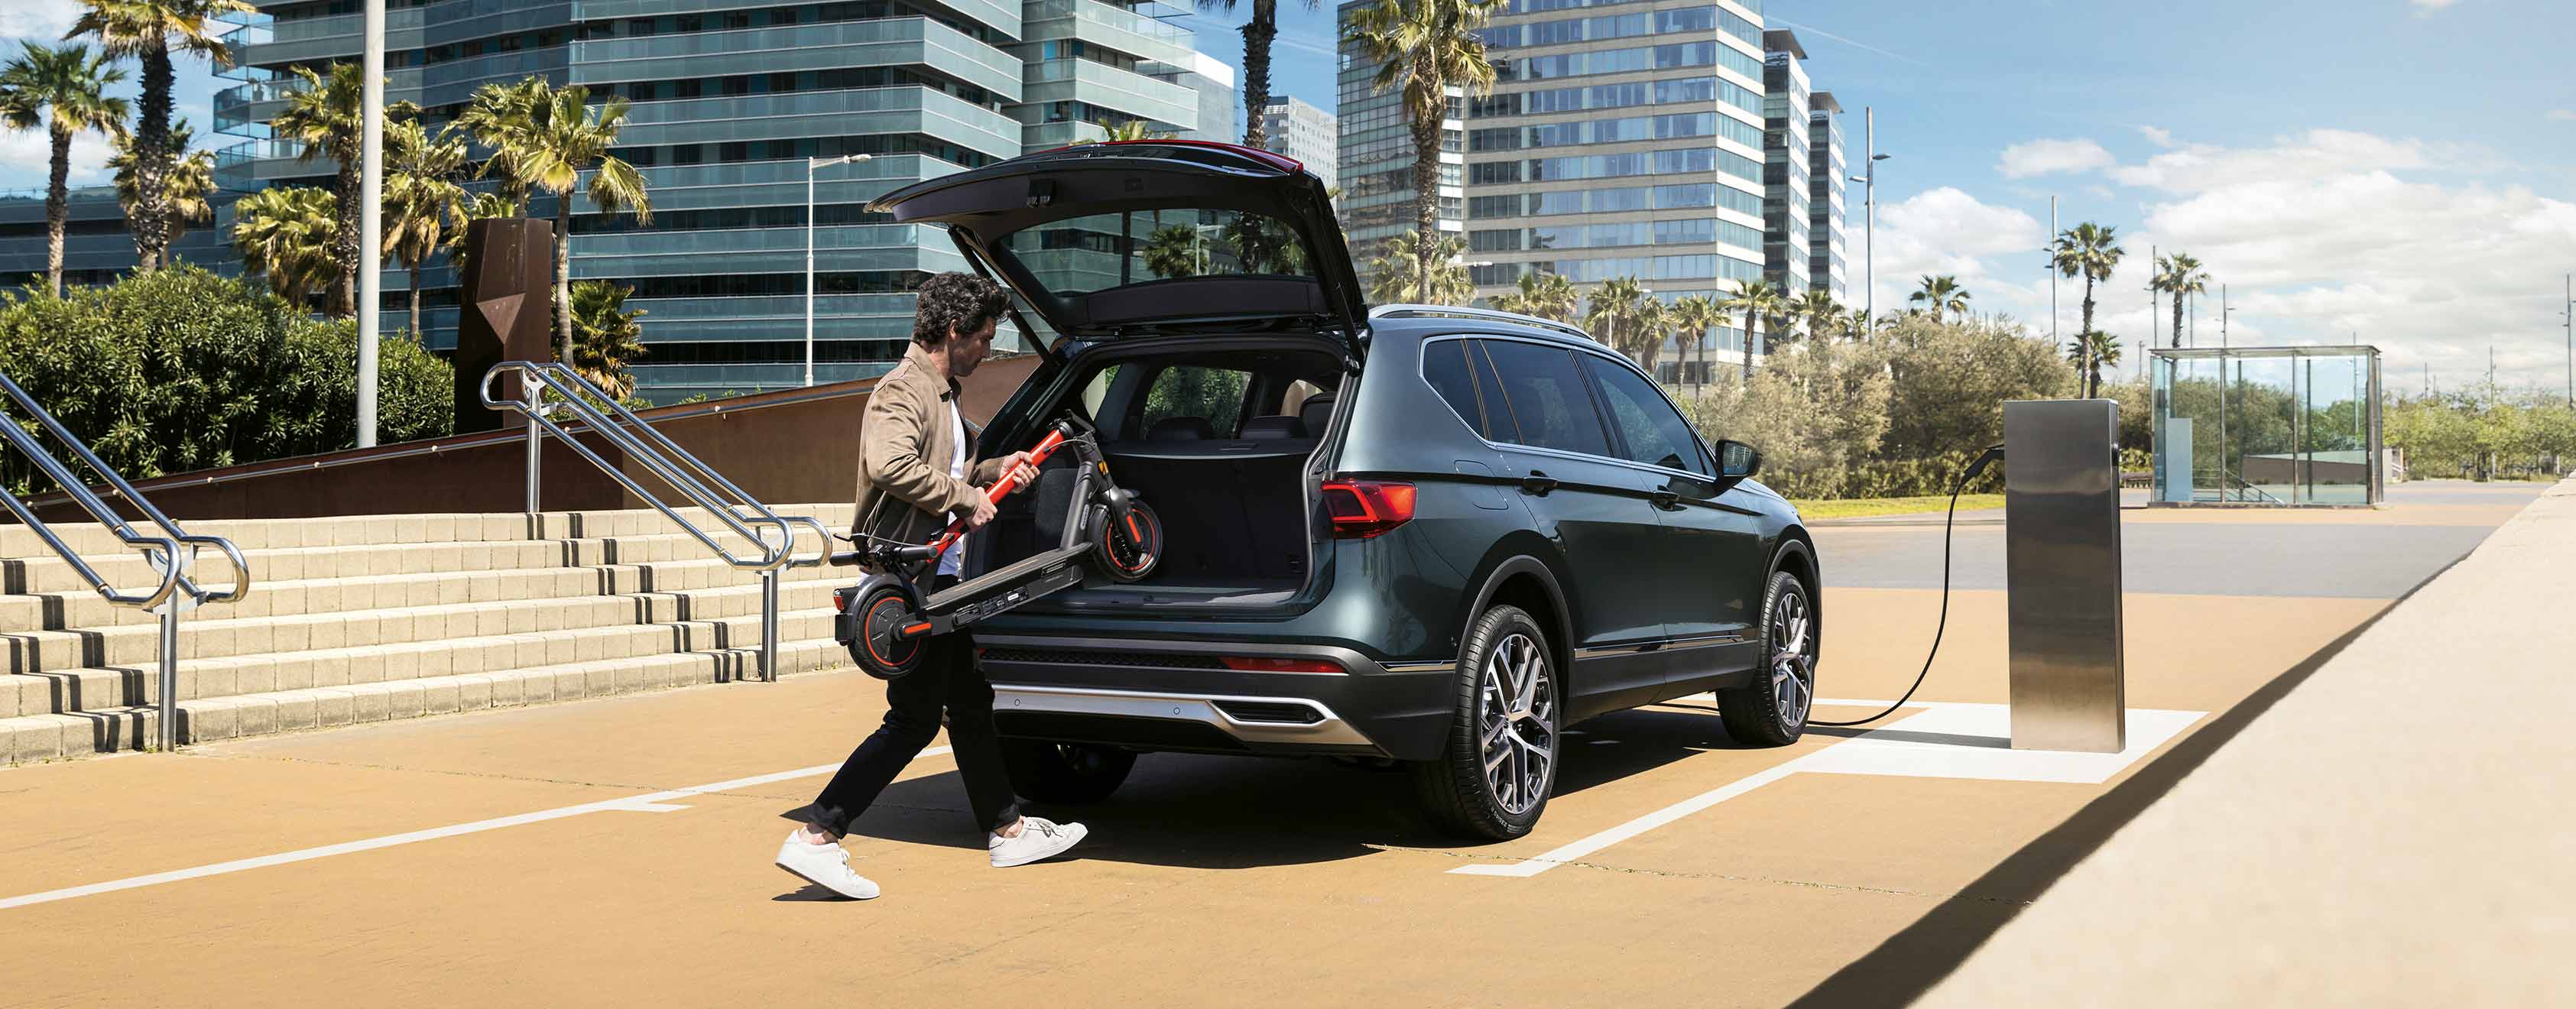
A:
(1992, 455)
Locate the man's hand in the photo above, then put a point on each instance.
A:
(983, 509)
(1014, 460)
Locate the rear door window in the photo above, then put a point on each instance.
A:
(1446, 366)
(1650, 431)
(1544, 389)
(1188, 390)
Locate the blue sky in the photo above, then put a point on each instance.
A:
(2400, 169)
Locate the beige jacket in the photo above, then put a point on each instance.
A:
(905, 491)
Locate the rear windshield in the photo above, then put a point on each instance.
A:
(1081, 255)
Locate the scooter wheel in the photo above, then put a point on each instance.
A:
(1131, 549)
(880, 648)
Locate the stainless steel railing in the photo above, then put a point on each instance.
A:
(176, 590)
(574, 398)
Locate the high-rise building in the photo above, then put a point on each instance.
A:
(1619, 144)
(1376, 156)
(1785, 165)
(1219, 101)
(1303, 132)
(728, 100)
(1826, 176)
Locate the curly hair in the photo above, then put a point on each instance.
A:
(958, 302)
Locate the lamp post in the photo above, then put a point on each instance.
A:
(2223, 310)
(1869, 204)
(371, 197)
(811, 166)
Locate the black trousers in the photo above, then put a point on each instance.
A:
(947, 678)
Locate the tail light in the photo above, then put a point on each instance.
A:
(1243, 664)
(1365, 508)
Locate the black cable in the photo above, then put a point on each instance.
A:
(1948, 525)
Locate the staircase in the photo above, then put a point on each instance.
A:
(371, 618)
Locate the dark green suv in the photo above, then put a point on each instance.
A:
(1432, 535)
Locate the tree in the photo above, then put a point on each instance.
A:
(499, 118)
(566, 137)
(2091, 251)
(147, 31)
(62, 89)
(423, 202)
(190, 189)
(2091, 353)
(1396, 269)
(1541, 294)
(1175, 250)
(1428, 47)
(605, 336)
(285, 233)
(1822, 314)
(1757, 301)
(1940, 294)
(1695, 315)
(323, 116)
(1257, 35)
(1952, 379)
(1653, 325)
(1137, 129)
(2179, 275)
(1611, 310)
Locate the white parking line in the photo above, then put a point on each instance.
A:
(651, 802)
(1946, 740)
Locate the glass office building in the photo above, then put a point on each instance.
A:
(1785, 162)
(1304, 132)
(2267, 426)
(729, 98)
(1375, 156)
(1826, 177)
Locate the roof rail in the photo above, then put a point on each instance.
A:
(1458, 312)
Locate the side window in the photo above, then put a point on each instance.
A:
(1544, 388)
(1188, 390)
(1649, 431)
(1445, 366)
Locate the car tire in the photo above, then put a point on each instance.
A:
(1773, 709)
(1045, 771)
(1509, 697)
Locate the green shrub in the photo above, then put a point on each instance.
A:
(182, 370)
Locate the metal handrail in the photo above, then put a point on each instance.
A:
(579, 400)
(161, 551)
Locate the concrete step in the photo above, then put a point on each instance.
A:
(96, 688)
(86, 610)
(138, 646)
(90, 538)
(34, 738)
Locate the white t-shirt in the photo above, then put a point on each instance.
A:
(948, 562)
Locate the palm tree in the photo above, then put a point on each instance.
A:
(1653, 325)
(324, 118)
(565, 138)
(1428, 46)
(1940, 294)
(498, 118)
(1395, 270)
(422, 198)
(2091, 250)
(1696, 314)
(2091, 353)
(190, 189)
(1540, 294)
(63, 89)
(1823, 315)
(1613, 307)
(1757, 301)
(148, 30)
(1174, 250)
(2181, 276)
(1257, 34)
(286, 233)
(605, 336)
(1137, 129)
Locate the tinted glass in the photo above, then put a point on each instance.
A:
(1192, 391)
(1083, 254)
(1444, 365)
(1544, 388)
(1649, 431)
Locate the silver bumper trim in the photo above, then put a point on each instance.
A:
(1331, 730)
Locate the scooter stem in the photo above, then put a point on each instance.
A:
(1002, 488)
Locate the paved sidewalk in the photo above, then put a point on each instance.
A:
(2394, 830)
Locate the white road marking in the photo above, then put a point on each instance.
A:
(651, 802)
(1945, 740)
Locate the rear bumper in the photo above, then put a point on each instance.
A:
(1176, 695)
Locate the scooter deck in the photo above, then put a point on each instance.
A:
(1002, 579)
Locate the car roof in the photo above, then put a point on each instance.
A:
(1413, 318)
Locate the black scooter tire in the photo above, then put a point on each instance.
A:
(878, 615)
(1129, 551)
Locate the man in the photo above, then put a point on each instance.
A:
(915, 459)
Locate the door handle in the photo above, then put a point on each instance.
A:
(1537, 482)
(1666, 500)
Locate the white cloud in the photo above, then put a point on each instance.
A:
(28, 155)
(2320, 237)
(2562, 115)
(2157, 135)
(2043, 157)
(2429, 6)
(43, 20)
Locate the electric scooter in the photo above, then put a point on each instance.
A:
(885, 619)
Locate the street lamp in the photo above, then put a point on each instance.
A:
(1869, 201)
(811, 166)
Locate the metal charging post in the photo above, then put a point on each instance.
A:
(2062, 574)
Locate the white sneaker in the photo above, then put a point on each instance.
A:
(826, 865)
(1040, 839)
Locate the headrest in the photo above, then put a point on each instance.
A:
(1180, 429)
(1316, 412)
(1273, 428)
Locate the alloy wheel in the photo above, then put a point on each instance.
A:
(1793, 659)
(1517, 722)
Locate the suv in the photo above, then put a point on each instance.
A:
(1436, 536)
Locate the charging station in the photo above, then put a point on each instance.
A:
(2062, 574)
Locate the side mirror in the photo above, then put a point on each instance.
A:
(1737, 460)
